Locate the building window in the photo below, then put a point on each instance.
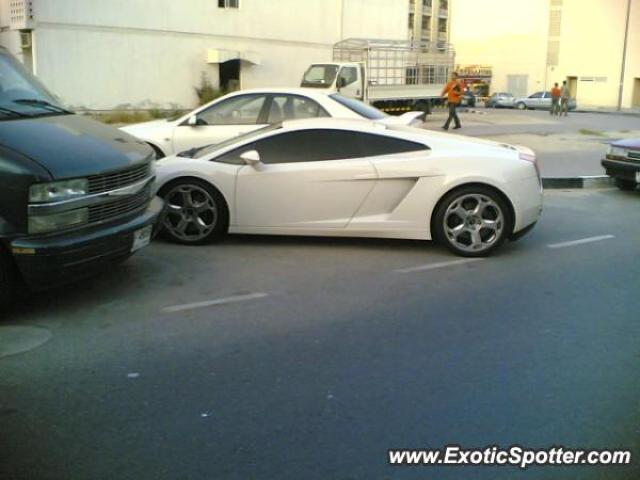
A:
(442, 26)
(426, 4)
(228, 3)
(426, 25)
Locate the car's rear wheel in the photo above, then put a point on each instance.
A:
(521, 106)
(625, 185)
(196, 212)
(472, 221)
(7, 279)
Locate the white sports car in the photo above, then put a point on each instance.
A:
(243, 111)
(353, 178)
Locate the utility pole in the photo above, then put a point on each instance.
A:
(624, 55)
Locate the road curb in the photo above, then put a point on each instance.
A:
(595, 181)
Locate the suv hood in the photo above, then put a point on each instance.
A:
(71, 146)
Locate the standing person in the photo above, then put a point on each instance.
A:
(565, 96)
(556, 93)
(453, 90)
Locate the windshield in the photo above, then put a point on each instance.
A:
(361, 108)
(218, 147)
(21, 94)
(321, 76)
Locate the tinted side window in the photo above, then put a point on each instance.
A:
(374, 145)
(240, 110)
(233, 157)
(309, 146)
(536, 95)
(289, 107)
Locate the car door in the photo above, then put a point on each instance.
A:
(222, 121)
(348, 82)
(307, 179)
(535, 100)
(545, 101)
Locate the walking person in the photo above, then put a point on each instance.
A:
(453, 91)
(556, 93)
(564, 99)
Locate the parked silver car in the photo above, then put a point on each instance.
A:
(500, 100)
(539, 101)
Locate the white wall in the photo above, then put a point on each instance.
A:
(100, 54)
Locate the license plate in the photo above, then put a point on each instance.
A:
(141, 238)
(637, 177)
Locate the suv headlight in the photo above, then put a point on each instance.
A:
(57, 191)
(58, 221)
(616, 151)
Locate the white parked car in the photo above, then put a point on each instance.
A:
(246, 110)
(353, 178)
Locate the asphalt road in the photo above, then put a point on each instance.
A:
(566, 146)
(322, 354)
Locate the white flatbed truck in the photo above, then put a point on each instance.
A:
(395, 76)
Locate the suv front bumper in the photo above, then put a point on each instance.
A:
(622, 169)
(55, 260)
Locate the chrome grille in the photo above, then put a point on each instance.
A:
(113, 181)
(117, 208)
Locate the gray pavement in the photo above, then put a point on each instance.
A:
(328, 352)
(566, 146)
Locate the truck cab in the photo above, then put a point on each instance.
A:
(345, 78)
(75, 195)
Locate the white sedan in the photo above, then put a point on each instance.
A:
(243, 111)
(353, 178)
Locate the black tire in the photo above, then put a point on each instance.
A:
(626, 185)
(521, 106)
(158, 152)
(7, 280)
(496, 210)
(206, 216)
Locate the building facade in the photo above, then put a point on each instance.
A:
(531, 44)
(429, 21)
(98, 54)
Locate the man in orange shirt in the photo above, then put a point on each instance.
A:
(555, 100)
(453, 91)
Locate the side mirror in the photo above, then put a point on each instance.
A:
(251, 157)
(193, 121)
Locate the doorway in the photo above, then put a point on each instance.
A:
(635, 102)
(230, 76)
(572, 83)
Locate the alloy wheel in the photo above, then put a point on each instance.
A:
(192, 213)
(473, 223)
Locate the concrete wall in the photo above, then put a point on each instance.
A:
(512, 38)
(150, 53)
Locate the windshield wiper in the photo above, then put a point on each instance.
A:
(42, 103)
(14, 113)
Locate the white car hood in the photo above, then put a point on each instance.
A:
(146, 126)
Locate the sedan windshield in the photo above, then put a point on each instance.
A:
(21, 94)
(321, 76)
(361, 108)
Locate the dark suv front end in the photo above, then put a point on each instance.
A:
(75, 195)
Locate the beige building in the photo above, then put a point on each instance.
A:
(429, 21)
(530, 44)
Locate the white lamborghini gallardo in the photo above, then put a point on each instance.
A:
(330, 177)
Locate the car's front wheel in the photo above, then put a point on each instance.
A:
(521, 106)
(626, 185)
(472, 221)
(196, 212)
